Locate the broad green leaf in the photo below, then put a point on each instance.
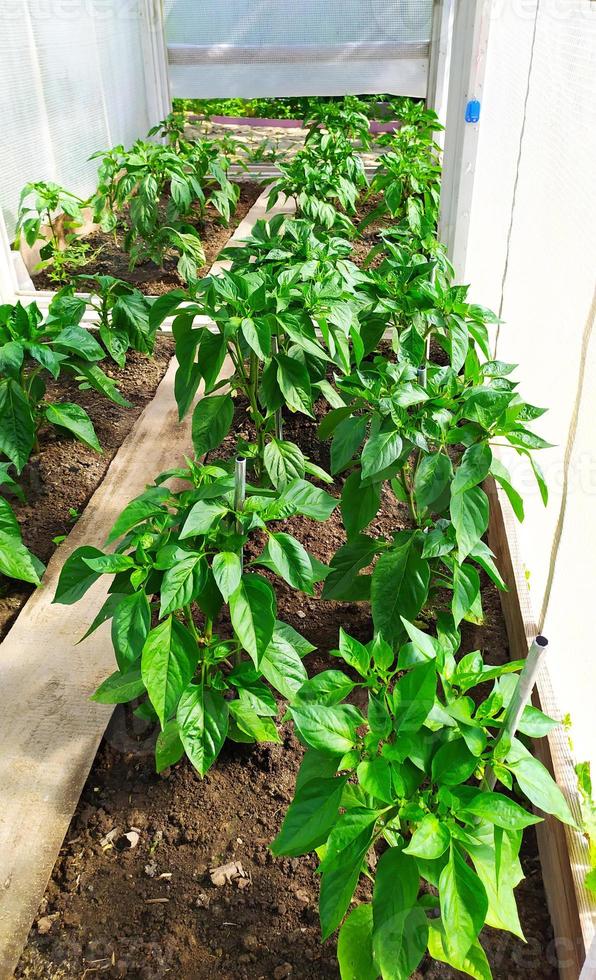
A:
(380, 451)
(354, 653)
(148, 504)
(399, 587)
(474, 467)
(17, 428)
(76, 576)
(453, 763)
(310, 501)
(256, 727)
(400, 929)
(257, 335)
(182, 583)
(72, 417)
(474, 964)
(169, 658)
(294, 382)
(499, 810)
(282, 663)
(211, 422)
(503, 478)
(430, 839)
(359, 505)
(110, 564)
(168, 747)
(201, 518)
(339, 878)
(466, 592)
(16, 561)
(203, 719)
(327, 728)
(343, 581)
(310, 816)
(284, 462)
(227, 572)
(346, 440)
(469, 516)
(252, 611)
(354, 946)
(374, 775)
(327, 687)
(119, 688)
(499, 876)
(464, 905)
(432, 480)
(537, 784)
(286, 556)
(413, 698)
(130, 626)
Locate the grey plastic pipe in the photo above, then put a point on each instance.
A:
(521, 696)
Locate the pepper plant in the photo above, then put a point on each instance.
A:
(407, 180)
(46, 207)
(432, 444)
(123, 314)
(31, 349)
(396, 793)
(156, 190)
(325, 179)
(177, 566)
(267, 324)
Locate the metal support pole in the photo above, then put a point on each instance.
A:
(279, 425)
(521, 696)
(240, 495)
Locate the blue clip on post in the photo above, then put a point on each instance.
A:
(473, 111)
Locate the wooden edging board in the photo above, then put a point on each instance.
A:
(49, 730)
(563, 851)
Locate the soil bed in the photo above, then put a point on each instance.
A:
(59, 480)
(152, 911)
(112, 260)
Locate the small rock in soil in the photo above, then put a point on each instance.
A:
(285, 970)
(225, 874)
(45, 924)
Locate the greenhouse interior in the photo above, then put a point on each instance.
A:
(297, 449)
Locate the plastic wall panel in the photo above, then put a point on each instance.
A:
(278, 47)
(278, 22)
(505, 86)
(72, 81)
(546, 273)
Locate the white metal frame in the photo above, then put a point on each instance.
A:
(438, 67)
(471, 26)
(156, 59)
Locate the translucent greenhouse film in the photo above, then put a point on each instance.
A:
(72, 81)
(278, 47)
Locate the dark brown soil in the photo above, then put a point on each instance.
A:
(152, 911)
(112, 260)
(59, 480)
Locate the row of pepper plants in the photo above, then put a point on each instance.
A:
(154, 195)
(402, 737)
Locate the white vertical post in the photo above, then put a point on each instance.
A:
(438, 66)
(466, 80)
(157, 76)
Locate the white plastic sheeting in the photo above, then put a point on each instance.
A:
(532, 257)
(72, 81)
(250, 48)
